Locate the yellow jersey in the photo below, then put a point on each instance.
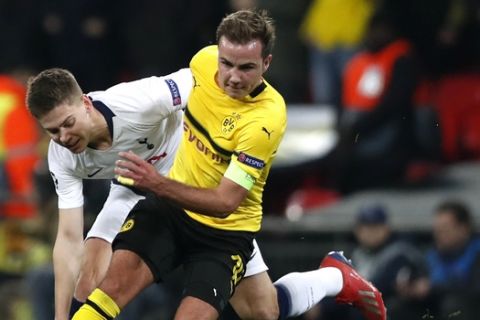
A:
(336, 23)
(218, 130)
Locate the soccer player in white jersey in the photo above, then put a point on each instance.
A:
(88, 131)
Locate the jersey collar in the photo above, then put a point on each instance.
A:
(107, 114)
(259, 89)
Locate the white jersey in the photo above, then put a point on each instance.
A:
(143, 116)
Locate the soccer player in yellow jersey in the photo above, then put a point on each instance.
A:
(204, 216)
(231, 136)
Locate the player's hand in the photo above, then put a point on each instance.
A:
(133, 171)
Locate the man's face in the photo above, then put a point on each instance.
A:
(240, 67)
(69, 125)
(372, 236)
(449, 235)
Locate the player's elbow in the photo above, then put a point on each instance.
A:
(69, 235)
(223, 203)
(67, 247)
(228, 207)
(223, 214)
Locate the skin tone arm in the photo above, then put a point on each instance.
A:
(67, 256)
(95, 262)
(216, 202)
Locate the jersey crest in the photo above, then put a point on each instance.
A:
(229, 123)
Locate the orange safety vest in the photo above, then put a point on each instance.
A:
(18, 140)
(368, 74)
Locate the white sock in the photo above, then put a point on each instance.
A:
(306, 289)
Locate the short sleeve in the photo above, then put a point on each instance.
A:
(151, 99)
(68, 187)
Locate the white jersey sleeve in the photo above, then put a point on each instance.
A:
(149, 100)
(68, 184)
(115, 209)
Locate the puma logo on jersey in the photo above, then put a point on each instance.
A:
(267, 132)
(150, 146)
(94, 172)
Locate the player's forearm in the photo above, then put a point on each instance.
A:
(210, 202)
(66, 265)
(219, 201)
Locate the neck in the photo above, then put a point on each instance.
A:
(101, 138)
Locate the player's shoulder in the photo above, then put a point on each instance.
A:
(276, 98)
(205, 58)
(208, 52)
(270, 112)
(123, 102)
(59, 156)
(57, 150)
(273, 104)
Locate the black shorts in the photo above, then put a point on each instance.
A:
(164, 236)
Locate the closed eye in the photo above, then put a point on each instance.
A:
(226, 63)
(69, 123)
(247, 67)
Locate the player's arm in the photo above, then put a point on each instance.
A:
(67, 255)
(97, 246)
(152, 99)
(217, 202)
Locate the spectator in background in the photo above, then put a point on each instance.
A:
(333, 30)
(375, 125)
(454, 263)
(19, 251)
(390, 263)
(18, 155)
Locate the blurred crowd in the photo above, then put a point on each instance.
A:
(401, 76)
(419, 280)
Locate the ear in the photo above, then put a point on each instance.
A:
(266, 62)
(87, 103)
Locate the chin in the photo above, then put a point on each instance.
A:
(236, 94)
(78, 149)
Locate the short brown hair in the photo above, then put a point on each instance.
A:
(246, 25)
(458, 210)
(51, 88)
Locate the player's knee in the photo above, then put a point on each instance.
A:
(265, 312)
(264, 308)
